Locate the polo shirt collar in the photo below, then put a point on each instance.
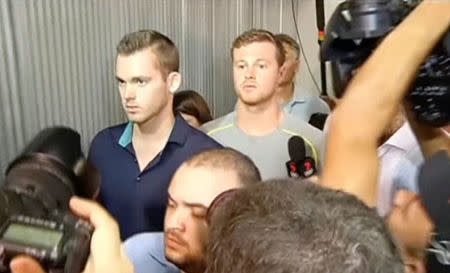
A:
(180, 131)
(178, 135)
(297, 97)
(127, 135)
(402, 138)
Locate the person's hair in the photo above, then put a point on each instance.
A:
(286, 39)
(192, 103)
(164, 49)
(257, 36)
(230, 160)
(292, 226)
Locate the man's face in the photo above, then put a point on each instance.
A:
(291, 65)
(410, 224)
(143, 90)
(256, 73)
(191, 191)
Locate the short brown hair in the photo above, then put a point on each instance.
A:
(259, 35)
(191, 103)
(286, 39)
(164, 49)
(230, 160)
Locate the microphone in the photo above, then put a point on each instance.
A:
(299, 165)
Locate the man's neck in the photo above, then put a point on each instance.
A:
(155, 130)
(259, 120)
(285, 92)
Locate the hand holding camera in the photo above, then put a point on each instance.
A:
(35, 219)
(107, 254)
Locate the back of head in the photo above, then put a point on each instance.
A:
(288, 40)
(259, 35)
(191, 103)
(286, 226)
(230, 160)
(164, 49)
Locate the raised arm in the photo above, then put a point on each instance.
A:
(373, 96)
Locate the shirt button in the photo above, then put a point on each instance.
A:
(138, 178)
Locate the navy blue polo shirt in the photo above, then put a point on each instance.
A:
(138, 199)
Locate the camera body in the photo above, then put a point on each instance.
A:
(35, 217)
(58, 241)
(354, 31)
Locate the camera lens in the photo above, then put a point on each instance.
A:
(50, 169)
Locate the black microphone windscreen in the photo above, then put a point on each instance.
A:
(296, 148)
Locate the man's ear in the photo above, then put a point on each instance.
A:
(297, 66)
(174, 81)
(281, 74)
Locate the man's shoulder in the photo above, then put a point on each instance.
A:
(147, 254)
(296, 125)
(110, 133)
(219, 125)
(304, 104)
(202, 139)
(106, 137)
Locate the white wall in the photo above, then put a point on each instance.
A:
(308, 33)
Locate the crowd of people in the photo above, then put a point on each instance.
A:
(183, 192)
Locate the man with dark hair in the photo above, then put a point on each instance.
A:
(259, 127)
(289, 226)
(137, 159)
(296, 101)
(193, 187)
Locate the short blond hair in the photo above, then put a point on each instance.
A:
(259, 35)
(288, 40)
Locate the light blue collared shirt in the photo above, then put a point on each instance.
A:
(400, 158)
(304, 104)
(146, 253)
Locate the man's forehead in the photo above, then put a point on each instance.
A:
(262, 50)
(141, 60)
(200, 184)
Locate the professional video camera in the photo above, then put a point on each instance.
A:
(35, 218)
(354, 31)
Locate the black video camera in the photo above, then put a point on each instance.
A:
(354, 31)
(35, 218)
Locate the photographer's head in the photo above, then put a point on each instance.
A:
(411, 227)
(419, 219)
(147, 73)
(310, 229)
(194, 186)
(257, 58)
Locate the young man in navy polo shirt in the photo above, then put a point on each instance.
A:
(137, 159)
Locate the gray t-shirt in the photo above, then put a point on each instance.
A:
(269, 152)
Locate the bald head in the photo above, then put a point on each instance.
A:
(229, 160)
(193, 188)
